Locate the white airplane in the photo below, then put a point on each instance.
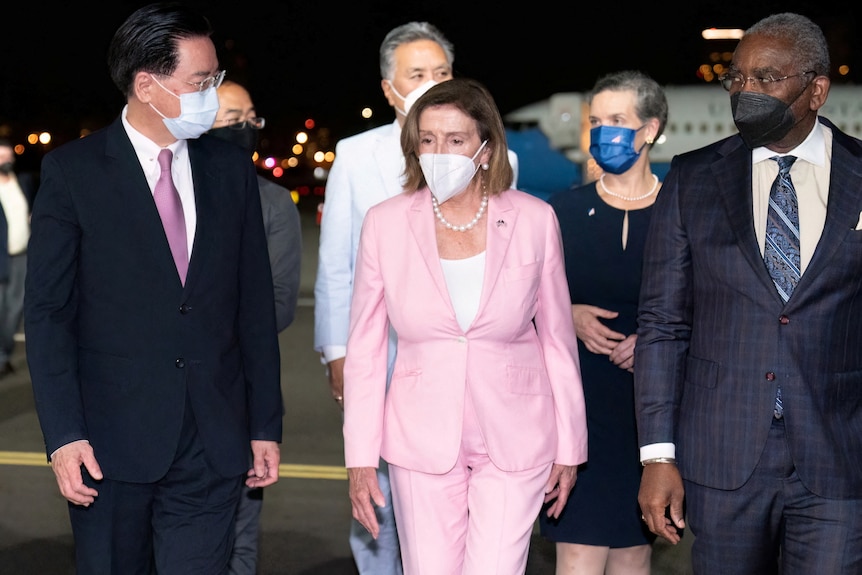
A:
(698, 115)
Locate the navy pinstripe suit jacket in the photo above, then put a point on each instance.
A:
(715, 338)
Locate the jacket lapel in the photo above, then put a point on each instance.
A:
(387, 154)
(736, 192)
(842, 209)
(136, 194)
(420, 220)
(502, 219)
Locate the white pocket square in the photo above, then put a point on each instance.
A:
(859, 223)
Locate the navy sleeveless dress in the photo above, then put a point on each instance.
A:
(602, 508)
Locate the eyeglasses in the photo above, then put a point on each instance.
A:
(206, 83)
(736, 81)
(257, 123)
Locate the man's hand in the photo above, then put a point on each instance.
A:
(265, 465)
(623, 355)
(559, 486)
(662, 491)
(364, 494)
(335, 371)
(66, 463)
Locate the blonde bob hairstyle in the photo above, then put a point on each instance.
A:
(474, 100)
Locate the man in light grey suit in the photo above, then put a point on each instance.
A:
(769, 486)
(367, 170)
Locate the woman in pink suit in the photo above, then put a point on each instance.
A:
(484, 419)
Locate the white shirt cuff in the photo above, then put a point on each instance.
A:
(656, 450)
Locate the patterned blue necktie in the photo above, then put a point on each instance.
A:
(781, 252)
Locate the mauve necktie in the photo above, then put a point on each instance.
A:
(171, 211)
(781, 252)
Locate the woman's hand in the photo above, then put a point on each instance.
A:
(597, 337)
(364, 494)
(560, 484)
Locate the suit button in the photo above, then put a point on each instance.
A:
(770, 376)
(180, 363)
(784, 320)
(185, 308)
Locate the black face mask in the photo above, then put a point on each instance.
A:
(245, 137)
(7, 168)
(761, 119)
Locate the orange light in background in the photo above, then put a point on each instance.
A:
(843, 69)
(329, 157)
(32, 138)
(277, 172)
(309, 124)
(292, 162)
(297, 149)
(19, 149)
(294, 195)
(722, 33)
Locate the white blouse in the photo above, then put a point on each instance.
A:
(464, 279)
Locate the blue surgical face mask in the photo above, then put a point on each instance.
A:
(613, 148)
(198, 111)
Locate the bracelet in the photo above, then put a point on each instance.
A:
(646, 462)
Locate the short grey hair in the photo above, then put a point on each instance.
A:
(406, 33)
(650, 99)
(810, 49)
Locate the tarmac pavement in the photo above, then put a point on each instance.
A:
(306, 515)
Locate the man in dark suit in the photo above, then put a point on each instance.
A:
(748, 365)
(237, 121)
(152, 382)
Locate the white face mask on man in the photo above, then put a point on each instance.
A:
(447, 175)
(414, 95)
(198, 111)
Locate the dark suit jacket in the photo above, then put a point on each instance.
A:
(115, 343)
(712, 328)
(284, 243)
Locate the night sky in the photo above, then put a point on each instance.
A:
(313, 59)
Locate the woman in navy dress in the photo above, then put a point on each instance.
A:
(604, 226)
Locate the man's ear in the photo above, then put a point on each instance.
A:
(819, 92)
(143, 85)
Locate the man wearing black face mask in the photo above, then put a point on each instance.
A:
(238, 122)
(748, 363)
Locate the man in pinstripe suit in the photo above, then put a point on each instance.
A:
(766, 490)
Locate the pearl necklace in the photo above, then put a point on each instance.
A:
(469, 226)
(628, 198)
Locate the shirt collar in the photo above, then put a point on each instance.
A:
(147, 150)
(812, 149)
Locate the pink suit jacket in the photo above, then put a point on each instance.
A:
(523, 376)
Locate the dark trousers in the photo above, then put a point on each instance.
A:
(183, 524)
(773, 524)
